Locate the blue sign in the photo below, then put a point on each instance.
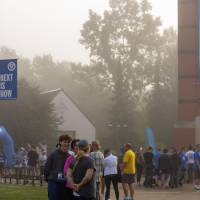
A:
(8, 79)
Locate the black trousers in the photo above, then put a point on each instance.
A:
(181, 179)
(114, 179)
(148, 182)
(190, 173)
(139, 172)
(174, 178)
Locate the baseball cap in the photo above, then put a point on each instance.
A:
(82, 144)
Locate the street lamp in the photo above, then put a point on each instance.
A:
(118, 127)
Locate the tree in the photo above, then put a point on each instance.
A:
(24, 65)
(123, 44)
(161, 98)
(30, 118)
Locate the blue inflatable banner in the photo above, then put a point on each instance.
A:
(8, 79)
(150, 138)
(8, 147)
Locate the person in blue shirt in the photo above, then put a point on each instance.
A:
(197, 167)
(183, 166)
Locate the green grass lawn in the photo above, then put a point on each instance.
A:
(20, 192)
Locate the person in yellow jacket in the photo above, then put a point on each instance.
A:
(128, 169)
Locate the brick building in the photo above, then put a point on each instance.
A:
(187, 127)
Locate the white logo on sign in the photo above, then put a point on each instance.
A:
(11, 66)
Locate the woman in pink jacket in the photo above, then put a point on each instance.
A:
(68, 162)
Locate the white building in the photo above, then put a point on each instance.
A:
(74, 122)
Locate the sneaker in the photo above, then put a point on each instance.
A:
(197, 187)
(127, 198)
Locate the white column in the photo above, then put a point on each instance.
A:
(197, 130)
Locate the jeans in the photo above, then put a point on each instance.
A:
(58, 191)
(83, 198)
(114, 179)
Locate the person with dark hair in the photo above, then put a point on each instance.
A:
(148, 160)
(32, 157)
(156, 157)
(175, 162)
(197, 168)
(110, 173)
(53, 170)
(165, 168)
(68, 162)
(183, 166)
(74, 145)
(81, 173)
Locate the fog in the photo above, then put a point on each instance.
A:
(50, 38)
(35, 27)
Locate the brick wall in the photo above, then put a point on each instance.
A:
(188, 87)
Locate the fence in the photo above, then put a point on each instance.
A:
(22, 175)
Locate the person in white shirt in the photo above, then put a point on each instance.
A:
(42, 160)
(190, 164)
(110, 173)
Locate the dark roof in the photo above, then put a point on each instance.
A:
(51, 94)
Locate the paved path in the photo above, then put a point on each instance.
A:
(166, 195)
(187, 192)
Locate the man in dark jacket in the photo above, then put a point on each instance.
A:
(148, 160)
(175, 162)
(165, 168)
(54, 170)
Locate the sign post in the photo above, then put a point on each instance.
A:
(8, 79)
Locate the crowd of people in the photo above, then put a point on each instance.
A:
(30, 157)
(169, 168)
(78, 170)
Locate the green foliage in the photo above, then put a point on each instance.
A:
(24, 64)
(49, 74)
(29, 118)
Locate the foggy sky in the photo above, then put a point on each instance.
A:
(35, 27)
